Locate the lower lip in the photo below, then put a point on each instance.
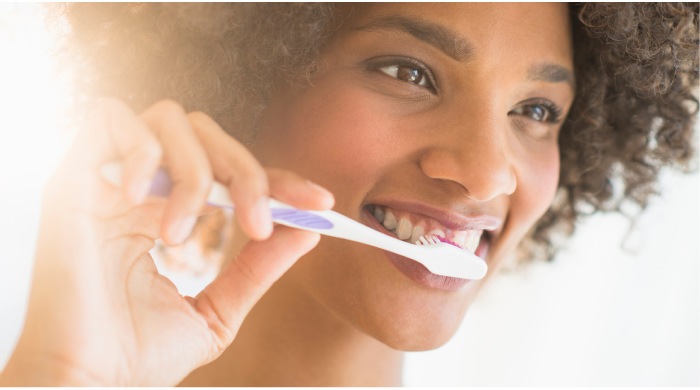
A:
(413, 269)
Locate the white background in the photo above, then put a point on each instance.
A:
(596, 316)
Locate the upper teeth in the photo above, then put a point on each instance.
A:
(404, 229)
(417, 233)
(389, 220)
(410, 231)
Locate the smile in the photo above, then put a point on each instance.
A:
(410, 227)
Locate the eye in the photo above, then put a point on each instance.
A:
(405, 69)
(407, 73)
(539, 111)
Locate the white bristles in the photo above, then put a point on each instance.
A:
(428, 240)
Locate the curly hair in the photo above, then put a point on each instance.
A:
(636, 67)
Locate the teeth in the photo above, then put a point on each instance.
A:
(472, 240)
(468, 239)
(404, 230)
(418, 231)
(459, 238)
(379, 214)
(389, 220)
(436, 232)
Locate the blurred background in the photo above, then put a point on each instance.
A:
(598, 315)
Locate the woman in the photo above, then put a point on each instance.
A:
(464, 118)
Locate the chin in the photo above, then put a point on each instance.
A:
(411, 328)
(415, 339)
(368, 293)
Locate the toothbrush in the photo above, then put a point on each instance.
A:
(438, 257)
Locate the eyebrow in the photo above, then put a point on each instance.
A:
(433, 34)
(458, 48)
(551, 73)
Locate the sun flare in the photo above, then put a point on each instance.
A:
(31, 97)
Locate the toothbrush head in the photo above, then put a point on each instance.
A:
(435, 239)
(449, 259)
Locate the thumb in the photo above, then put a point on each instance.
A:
(226, 301)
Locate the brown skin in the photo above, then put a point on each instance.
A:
(99, 312)
(339, 315)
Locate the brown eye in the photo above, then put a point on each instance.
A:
(537, 113)
(544, 111)
(408, 74)
(411, 75)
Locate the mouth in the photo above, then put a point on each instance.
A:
(472, 234)
(414, 228)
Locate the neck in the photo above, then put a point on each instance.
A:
(289, 339)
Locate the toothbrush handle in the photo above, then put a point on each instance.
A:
(349, 229)
(326, 222)
(282, 213)
(330, 223)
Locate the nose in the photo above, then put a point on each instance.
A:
(474, 155)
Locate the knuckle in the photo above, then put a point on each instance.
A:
(204, 125)
(251, 177)
(198, 184)
(143, 221)
(169, 107)
(151, 149)
(199, 117)
(251, 190)
(109, 108)
(112, 104)
(223, 327)
(247, 273)
(202, 183)
(283, 175)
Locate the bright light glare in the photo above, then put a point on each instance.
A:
(31, 144)
(30, 97)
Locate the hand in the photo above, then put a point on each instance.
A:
(99, 312)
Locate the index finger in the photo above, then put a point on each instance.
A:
(235, 166)
(114, 132)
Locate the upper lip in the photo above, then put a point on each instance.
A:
(452, 218)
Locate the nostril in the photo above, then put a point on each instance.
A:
(482, 167)
(490, 183)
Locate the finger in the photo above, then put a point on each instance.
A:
(235, 167)
(227, 300)
(110, 201)
(188, 167)
(296, 191)
(114, 132)
(135, 144)
(143, 220)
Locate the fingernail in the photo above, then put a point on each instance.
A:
(182, 229)
(263, 217)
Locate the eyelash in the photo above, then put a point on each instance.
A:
(398, 62)
(554, 112)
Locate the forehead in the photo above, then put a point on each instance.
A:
(495, 31)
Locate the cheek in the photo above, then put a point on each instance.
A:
(537, 185)
(540, 179)
(334, 135)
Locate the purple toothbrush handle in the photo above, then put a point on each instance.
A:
(162, 185)
(301, 218)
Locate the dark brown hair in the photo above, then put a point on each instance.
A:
(636, 68)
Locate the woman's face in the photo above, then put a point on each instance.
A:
(445, 116)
